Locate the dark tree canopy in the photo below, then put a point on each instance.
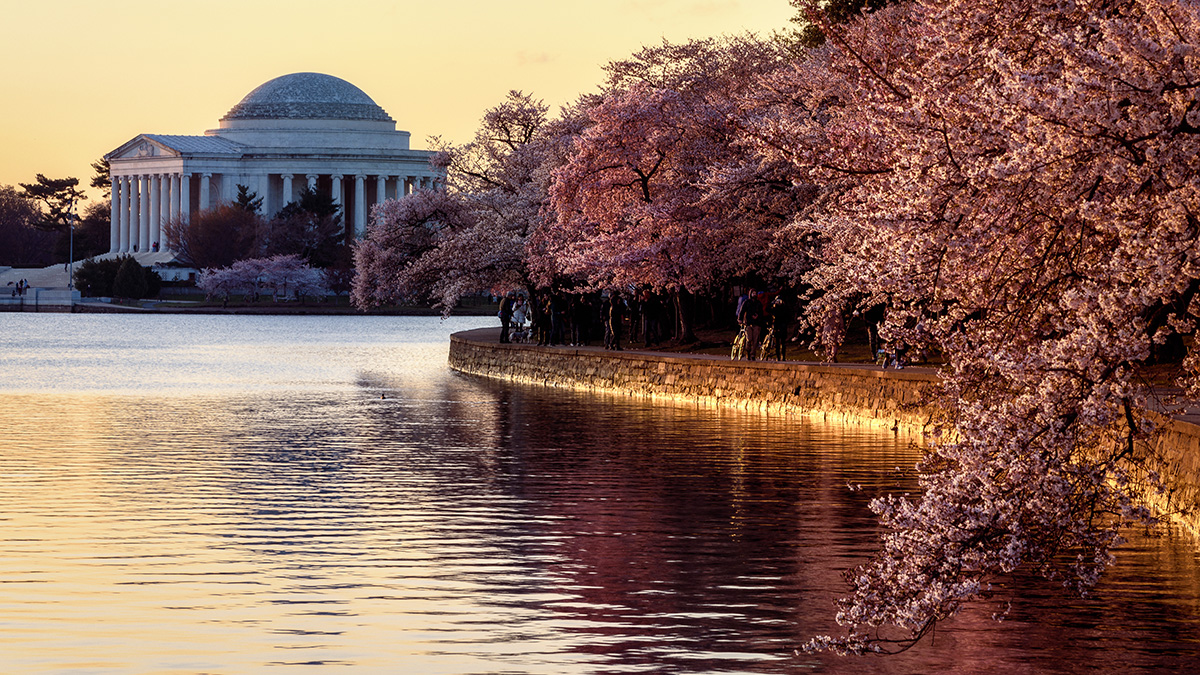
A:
(808, 34)
(312, 202)
(310, 227)
(21, 243)
(91, 233)
(58, 197)
(216, 237)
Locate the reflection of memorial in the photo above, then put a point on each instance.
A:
(296, 131)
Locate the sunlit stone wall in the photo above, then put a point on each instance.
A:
(886, 398)
(1176, 457)
(892, 399)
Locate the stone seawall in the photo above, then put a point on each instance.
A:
(39, 300)
(891, 399)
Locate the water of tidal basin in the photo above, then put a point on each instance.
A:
(237, 495)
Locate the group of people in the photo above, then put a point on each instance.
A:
(763, 320)
(20, 288)
(513, 310)
(576, 319)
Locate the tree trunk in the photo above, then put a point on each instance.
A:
(683, 310)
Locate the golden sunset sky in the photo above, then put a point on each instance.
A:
(82, 77)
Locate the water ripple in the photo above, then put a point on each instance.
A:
(254, 505)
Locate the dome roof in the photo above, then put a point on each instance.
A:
(307, 96)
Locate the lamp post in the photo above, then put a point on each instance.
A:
(71, 253)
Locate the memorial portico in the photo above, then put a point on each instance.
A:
(296, 131)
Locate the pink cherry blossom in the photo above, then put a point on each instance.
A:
(1018, 182)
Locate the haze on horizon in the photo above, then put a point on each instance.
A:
(85, 77)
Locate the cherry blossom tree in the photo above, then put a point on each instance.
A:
(630, 203)
(476, 234)
(291, 276)
(284, 275)
(1017, 181)
(389, 260)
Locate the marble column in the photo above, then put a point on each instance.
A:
(135, 213)
(335, 190)
(205, 192)
(287, 190)
(143, 240)
(360, 205)
(380, 189)
(173, 215)
(185, 197)
(164, 213)
(312, 181)
(264, 191)
(114, 217)
(130, 214)
(155, 210)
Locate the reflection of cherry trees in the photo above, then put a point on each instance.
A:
(283, 276)
(1015, 182)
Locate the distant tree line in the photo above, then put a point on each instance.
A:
(35, 221)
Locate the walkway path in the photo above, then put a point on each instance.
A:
(56, 277)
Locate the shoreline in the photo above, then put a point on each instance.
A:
(283, 309)
(853, 393)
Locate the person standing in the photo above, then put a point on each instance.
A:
(616, 314)
(750, 316)
(780, 318)
(650, 312)
(554, 305)
(506, 312)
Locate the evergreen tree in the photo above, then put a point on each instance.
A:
(130, 281)
(248, 201)
(310, 227)
(94, 278)
(154, 283)
(103, 179)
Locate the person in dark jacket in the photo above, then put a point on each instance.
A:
(506, 312)
(750, 317)
(616, 314)
(780, 317)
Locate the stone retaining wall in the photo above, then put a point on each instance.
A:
(1176, 457)
(857, 394)
(39, 300)
(888, 398)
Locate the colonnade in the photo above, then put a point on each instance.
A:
(143, 204)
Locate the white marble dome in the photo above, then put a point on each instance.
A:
(307, 96)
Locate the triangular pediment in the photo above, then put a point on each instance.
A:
(143, 146)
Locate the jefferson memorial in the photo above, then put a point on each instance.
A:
(295, 131)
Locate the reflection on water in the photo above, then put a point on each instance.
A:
(234, 494)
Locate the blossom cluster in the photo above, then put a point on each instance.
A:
(283, 276)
